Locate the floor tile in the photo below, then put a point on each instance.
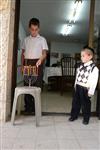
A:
(47, 145)
(46, 133)
(24, 144)
(54, 132)
(7, 143)
(68, 144)
(52, 101)
(83, 134)
(27, 133)
(90, 144)
(64, 134)
(10, 132)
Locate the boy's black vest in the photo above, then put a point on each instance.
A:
(84, 72)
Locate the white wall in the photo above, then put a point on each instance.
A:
(21, 36)
(22, 33)
(60, 47)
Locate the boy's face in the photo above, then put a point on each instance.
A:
(34, 30)
(85, 57)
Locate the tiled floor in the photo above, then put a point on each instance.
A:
(52, 101)
(54, 133)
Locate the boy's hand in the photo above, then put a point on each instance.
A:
(39, 62)
(89, 95)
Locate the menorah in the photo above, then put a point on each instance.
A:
(30, 74)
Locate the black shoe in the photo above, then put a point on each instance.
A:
(72, 119)
(85, 122)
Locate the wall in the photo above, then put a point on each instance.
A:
(7, 14)
(69, 48)
(21, 35)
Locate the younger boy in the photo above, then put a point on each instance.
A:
(85, 85)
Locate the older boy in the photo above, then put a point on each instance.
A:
(85, 85)
(34, 51)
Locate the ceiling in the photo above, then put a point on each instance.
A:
(53, 14)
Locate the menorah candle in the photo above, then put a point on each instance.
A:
(24, 70)
(31, 70)
(28, 70)
(34, 70)
(37, 70)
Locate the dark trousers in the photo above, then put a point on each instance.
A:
(29, 100)
(81, 100)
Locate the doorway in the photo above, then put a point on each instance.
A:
(50, 98)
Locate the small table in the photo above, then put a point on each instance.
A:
(51, 71)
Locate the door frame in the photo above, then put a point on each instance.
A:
(15, 48)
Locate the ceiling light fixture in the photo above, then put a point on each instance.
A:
(76, 11)
(74, 16)
(66, 29)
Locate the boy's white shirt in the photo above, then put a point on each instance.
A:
(92, 80)
(34, 46)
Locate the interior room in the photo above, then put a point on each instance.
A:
(65, 25)
(68, 26)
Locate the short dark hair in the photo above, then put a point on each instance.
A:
(34, 21)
